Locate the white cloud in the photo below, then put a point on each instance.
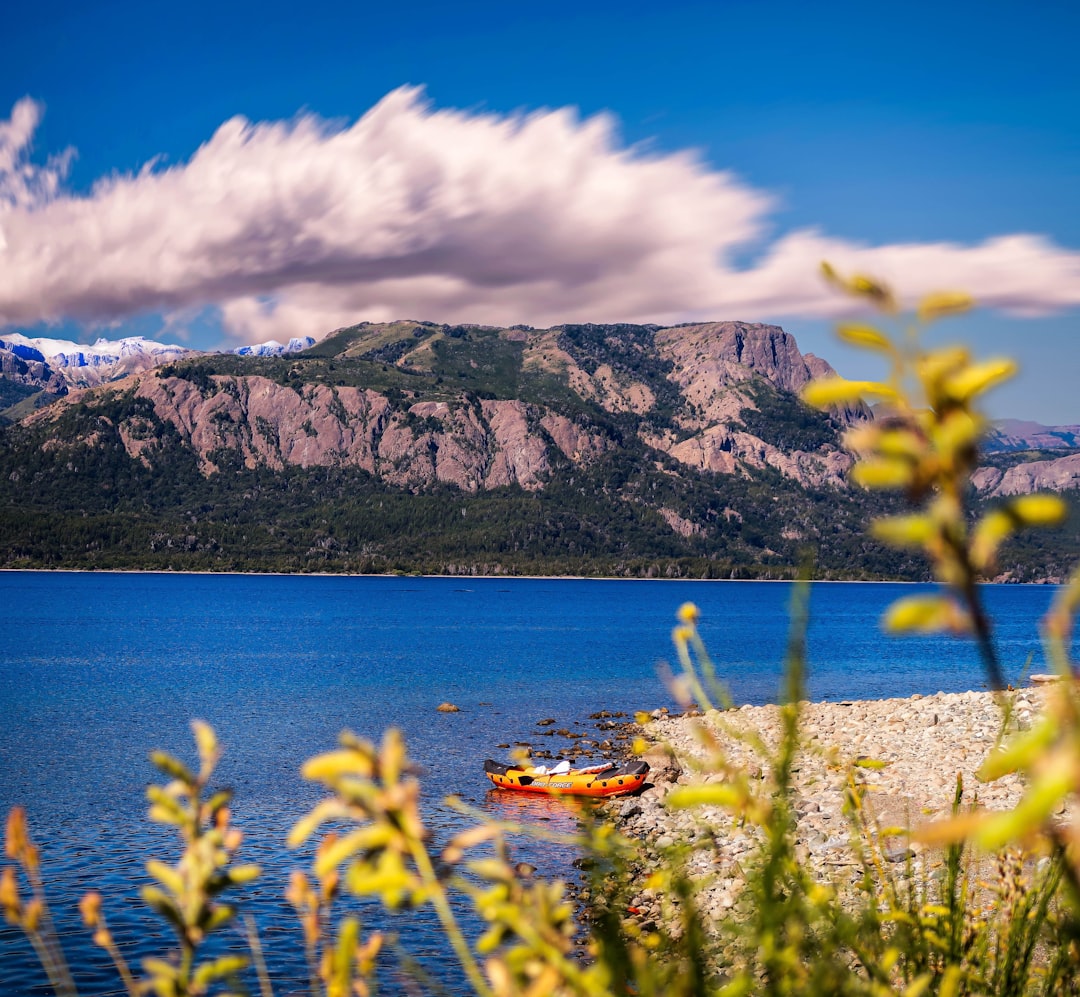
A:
(298, 228)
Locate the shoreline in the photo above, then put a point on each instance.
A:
(553, 578)
(923, 742)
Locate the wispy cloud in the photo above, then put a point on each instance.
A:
(296, 228)
(24, 184)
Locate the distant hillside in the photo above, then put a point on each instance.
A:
(591, 449)
(1024, 457)
(1016, 434)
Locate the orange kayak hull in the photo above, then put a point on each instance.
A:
(614, 781)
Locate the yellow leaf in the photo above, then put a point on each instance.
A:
(90, 908)
(709, 795)
(946, 832)
(951, 980)
(977, 378)
(829, 391)
(388, 879)
(226, 965)
(324, 811)
(873, 289)
(363, 839)
(344, 951)
(392, 760)
(161, 970)
(206, 741)
(869, 763)
(688, 613)
(904, 531)
(489, 941)
(332, 765)
(863, 438)
(900, 443)
(1043, 797)
(919, 985)
(1020, 752)
(865, 335)
(166, 875)
(943, 303)
(9, 894)
(890, 473)
(163, 815)
(998, 524)
(860, 285)
(1038, 510)
(18, 835)
(172, 767)
(160, 902)
(957, 433)
(491, 869)
(241, 874)
(925, 614)
(987, 536)
(741, 986)
(935, 366)
(897, 917)
(929, 911)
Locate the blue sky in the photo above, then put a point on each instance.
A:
(869, 127)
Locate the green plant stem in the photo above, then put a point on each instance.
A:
(57, 972)
(984, 639)
(130, 983)
(187, 961)
(55, 965)
(312, 958)
(257, 956)
(449, 922)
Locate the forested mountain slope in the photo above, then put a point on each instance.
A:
(595, 449)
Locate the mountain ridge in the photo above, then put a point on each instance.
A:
(686, 404)
(582, 449)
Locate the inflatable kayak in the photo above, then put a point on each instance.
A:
(608, 779)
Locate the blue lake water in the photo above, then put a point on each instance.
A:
(97, 670)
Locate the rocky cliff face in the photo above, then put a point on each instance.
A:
(684, 389)
(714, 364)
(36, 374)
(1058, 475)
(473, 446)
(1027, 439)
(683, 392)
(718, 354)
(718, 448)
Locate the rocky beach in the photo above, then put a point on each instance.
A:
(911, 752)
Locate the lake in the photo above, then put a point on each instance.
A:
(97, 670)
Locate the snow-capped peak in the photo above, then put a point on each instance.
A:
(64, 353)
(106, 352)
(272, 348)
